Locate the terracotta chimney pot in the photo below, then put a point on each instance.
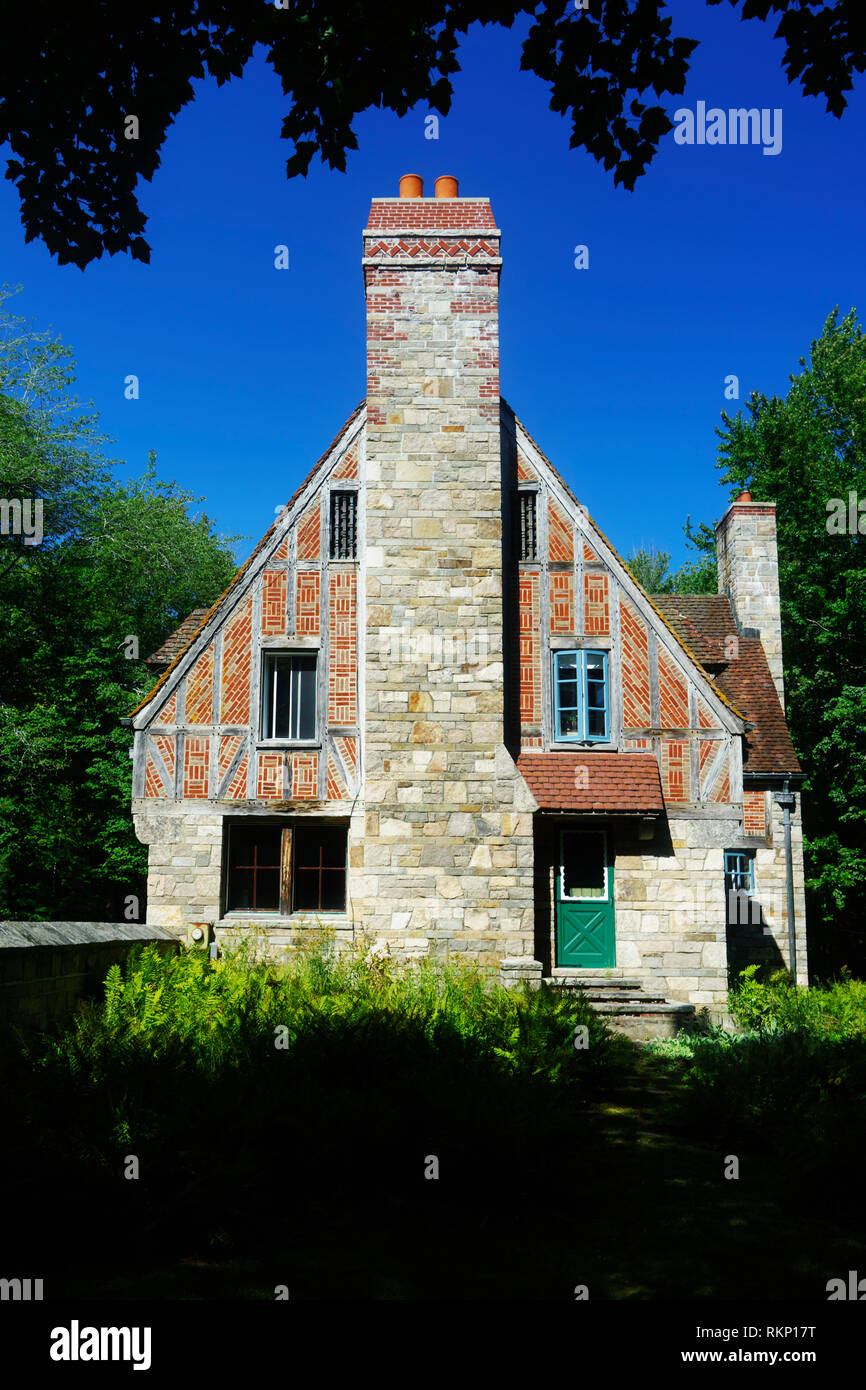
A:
(744, 497)
(411, 186)
(446, 186)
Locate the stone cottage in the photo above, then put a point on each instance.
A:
(435, 706)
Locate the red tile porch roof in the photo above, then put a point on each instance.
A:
(614, 783)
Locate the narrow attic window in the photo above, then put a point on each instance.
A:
(528, 528)
(344, 525)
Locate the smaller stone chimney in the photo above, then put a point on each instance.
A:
(748, 565)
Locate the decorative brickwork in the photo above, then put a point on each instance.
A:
(562, 603)
(673, 695)
(228, 748)
(707, 751)
(530, 651)
(343, 623)
(153, 783)
(348, 750)
(525, 474)
(706, 719)
(596, 613)
(675, 770)
(307, 603)
(196, 755)
(635, 668)
(310, 533)
(237, 787)
(348, 465)
(305, 770)
(274, 603)
(336, 789)
(721, 790)
(560, 534)
(270, 776)
(199, 690)
(168, 713)
(236, 663)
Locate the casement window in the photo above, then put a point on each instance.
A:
(284, 868)
(319, 869)
(289, 696)
(344, 526)
(254, 859)
(739, 871)
(581, 696)
(742, 906)
(528, 526)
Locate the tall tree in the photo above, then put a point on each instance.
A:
(807, 452)
(88, 91)
(116, 561)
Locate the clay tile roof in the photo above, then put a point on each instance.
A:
(748, 681)
(175, 644)
(705, 621)
(615, 783)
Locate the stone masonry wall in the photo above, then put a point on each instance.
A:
(46, 967)
(448, 836)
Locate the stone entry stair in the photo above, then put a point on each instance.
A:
(626, 1005)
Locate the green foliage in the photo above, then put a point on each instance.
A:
(222, 1014)
(116, 560)
(323, 1081)
(78, 176)
(837, 1010)
(650, 567)
(801, 452)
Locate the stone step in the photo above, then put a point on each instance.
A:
(614, 997)
(590, 980)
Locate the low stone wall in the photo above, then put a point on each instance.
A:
(46, 967)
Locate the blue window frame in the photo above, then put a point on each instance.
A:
(581, 698)
(739, 871)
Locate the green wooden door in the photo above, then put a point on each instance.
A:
(585, 934)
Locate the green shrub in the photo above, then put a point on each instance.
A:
(837, 1010)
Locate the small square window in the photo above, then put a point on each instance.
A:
(289, 695)
(742, 906)
(581, 696)
(739, 871)
(528, 528)
(344, 526)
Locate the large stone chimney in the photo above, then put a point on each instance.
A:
(448, 839)
(748, 566)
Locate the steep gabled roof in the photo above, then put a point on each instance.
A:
(193, 629)
(708, 620)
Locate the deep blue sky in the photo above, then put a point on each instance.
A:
(723, 260)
